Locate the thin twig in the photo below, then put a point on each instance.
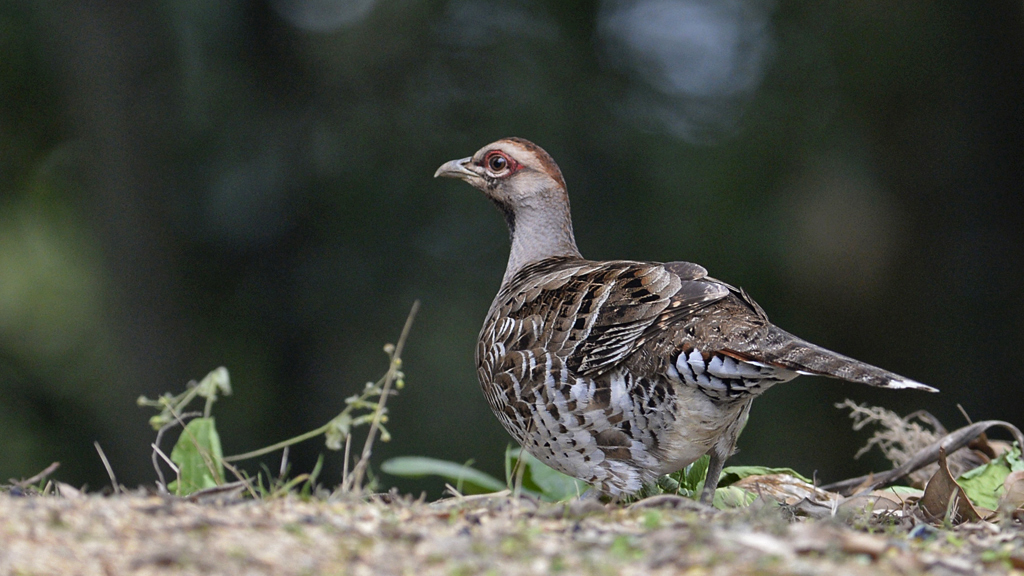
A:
(177, 472)
(396, 356)
(161, 482)
(964, 412)
(228, 488)
(344, 466)
(519, 472)
(106, 464)
(284, 463)
(32, 480)
(242, 478)
(156, 448)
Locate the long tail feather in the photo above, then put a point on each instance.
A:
(784, 349)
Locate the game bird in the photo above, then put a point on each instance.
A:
(617, 372)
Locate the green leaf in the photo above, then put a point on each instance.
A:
(310, 484)
(337, 429)
(732, 497)
(199, 457)
(1013, 459)
(472, 480)
(984, 484)
(692, 477)
(217, 380)
(734, 474)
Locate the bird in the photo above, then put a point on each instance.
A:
(617, 372)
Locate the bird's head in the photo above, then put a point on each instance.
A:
(514, 173)
(527, 186)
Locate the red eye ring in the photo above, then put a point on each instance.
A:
(497, 162)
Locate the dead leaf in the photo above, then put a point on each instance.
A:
(785, 489)
(1013, 491)
(943, 498)
(887, 500)
(867, 484)
(869, 503)
(812, 509)
(69, 491)
(981, 444)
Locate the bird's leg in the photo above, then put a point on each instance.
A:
(718, 457)
(720, 452)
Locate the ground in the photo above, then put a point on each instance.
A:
(150, 534)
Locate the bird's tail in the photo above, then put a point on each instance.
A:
(787, 351)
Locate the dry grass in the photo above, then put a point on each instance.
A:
(145, 534)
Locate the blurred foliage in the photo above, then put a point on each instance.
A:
(523, 474)
(194, 184)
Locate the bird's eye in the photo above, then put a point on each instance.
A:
(497, 163)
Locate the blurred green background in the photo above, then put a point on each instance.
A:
(189, 184)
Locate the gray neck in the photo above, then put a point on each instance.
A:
(541, 227)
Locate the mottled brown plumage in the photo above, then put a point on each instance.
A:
(617, 372)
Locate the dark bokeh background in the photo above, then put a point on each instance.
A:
(191, 184)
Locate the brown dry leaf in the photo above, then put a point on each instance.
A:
(868, 503)
(983, 447)
(999, 447)
(941, 490)
(868, 482)
(785, 489)
(886, 500)
(1013, 491)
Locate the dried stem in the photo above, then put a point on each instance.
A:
(344, 467)
(396, 362)
(162, 483)
(32, 480)
(110, 471)
(177, 472)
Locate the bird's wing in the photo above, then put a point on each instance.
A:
(595, 314)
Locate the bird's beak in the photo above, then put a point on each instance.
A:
(457, 169)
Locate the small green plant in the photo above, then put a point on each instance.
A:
(687, 482)
(197, 458)
(523, 473)
(463, 477)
